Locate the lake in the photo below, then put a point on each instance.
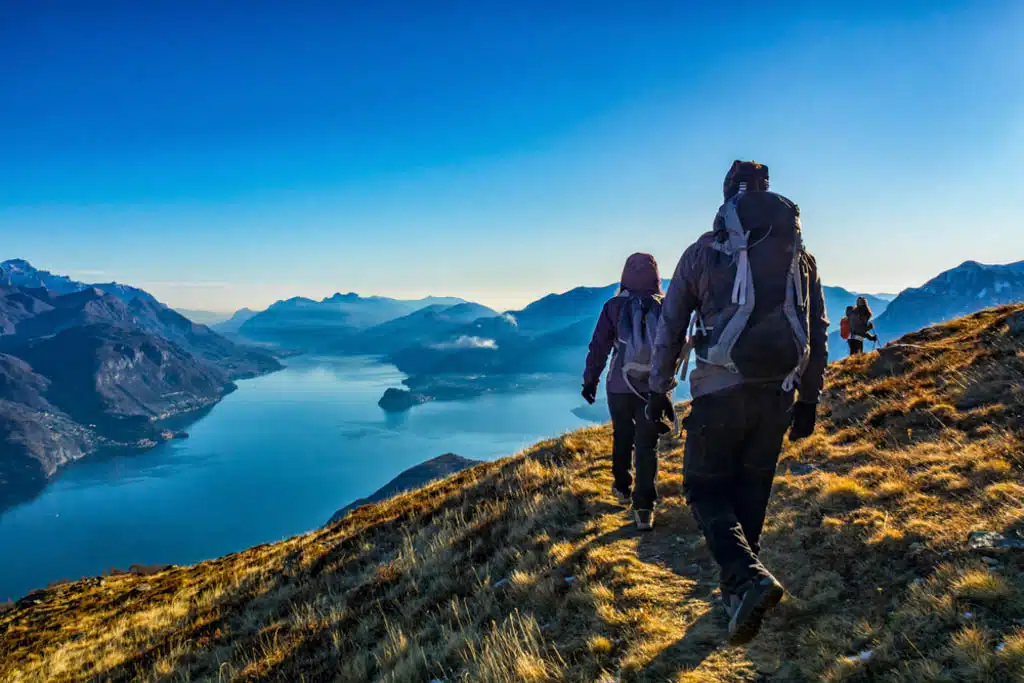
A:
(276, 458)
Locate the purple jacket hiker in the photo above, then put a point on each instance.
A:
(639, 276)
(634, 438)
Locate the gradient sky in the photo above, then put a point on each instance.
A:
(229, 154)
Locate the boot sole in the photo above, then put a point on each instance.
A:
(751, 626)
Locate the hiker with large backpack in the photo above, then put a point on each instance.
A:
(747, 300)
(626, 328)
(857, 326)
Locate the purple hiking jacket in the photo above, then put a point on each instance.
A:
(639, 276)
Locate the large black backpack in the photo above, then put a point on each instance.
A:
(755, 318)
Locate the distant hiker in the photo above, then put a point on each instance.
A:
(627, 325)
(860, 326)
(758, 332)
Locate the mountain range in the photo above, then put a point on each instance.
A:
(84, 368)
(333, 323)
(21, 273)
(968, 288)
(456, 349)
(959, 291)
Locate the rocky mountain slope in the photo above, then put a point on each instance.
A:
(85, 370)
(969, 287)
(897, 529)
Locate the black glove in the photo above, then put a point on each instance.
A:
(590, 392)
(873, 337)
(661, 412)
(804, 417)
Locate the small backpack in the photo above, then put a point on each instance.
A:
(638, 326)
(755, 319)
(844, 328)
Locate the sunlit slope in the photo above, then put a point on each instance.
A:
(526, 570)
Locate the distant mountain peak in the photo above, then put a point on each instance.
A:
(1017, 266)
(293, 301)
(21, 273)
(17, 264)
(338, 298)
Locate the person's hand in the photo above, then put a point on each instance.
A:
(661, 412)
(873, 337)
(590, 392)
(804, 418)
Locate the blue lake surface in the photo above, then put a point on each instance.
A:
(275, 458)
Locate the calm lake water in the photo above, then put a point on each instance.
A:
(275, 458)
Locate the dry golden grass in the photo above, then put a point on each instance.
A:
(525, 570)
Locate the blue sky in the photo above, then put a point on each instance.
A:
(230, 154)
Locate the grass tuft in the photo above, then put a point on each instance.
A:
(981, 586)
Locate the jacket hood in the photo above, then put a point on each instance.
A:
(640, 275)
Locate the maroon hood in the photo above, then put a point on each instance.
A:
(640, 275)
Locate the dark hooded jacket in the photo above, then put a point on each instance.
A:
(640, 277)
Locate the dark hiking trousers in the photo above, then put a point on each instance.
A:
(856, 346)
(733, 439)
(633, 432)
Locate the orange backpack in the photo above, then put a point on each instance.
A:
(844, 328)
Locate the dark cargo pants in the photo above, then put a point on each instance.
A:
(632, 431)
(733, 440)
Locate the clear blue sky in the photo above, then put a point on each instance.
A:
(228, 154)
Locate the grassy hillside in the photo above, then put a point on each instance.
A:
(525, 570)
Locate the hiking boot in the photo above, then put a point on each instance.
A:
(758, 599)
(644, 519)
(621, 496)
(730, 603)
